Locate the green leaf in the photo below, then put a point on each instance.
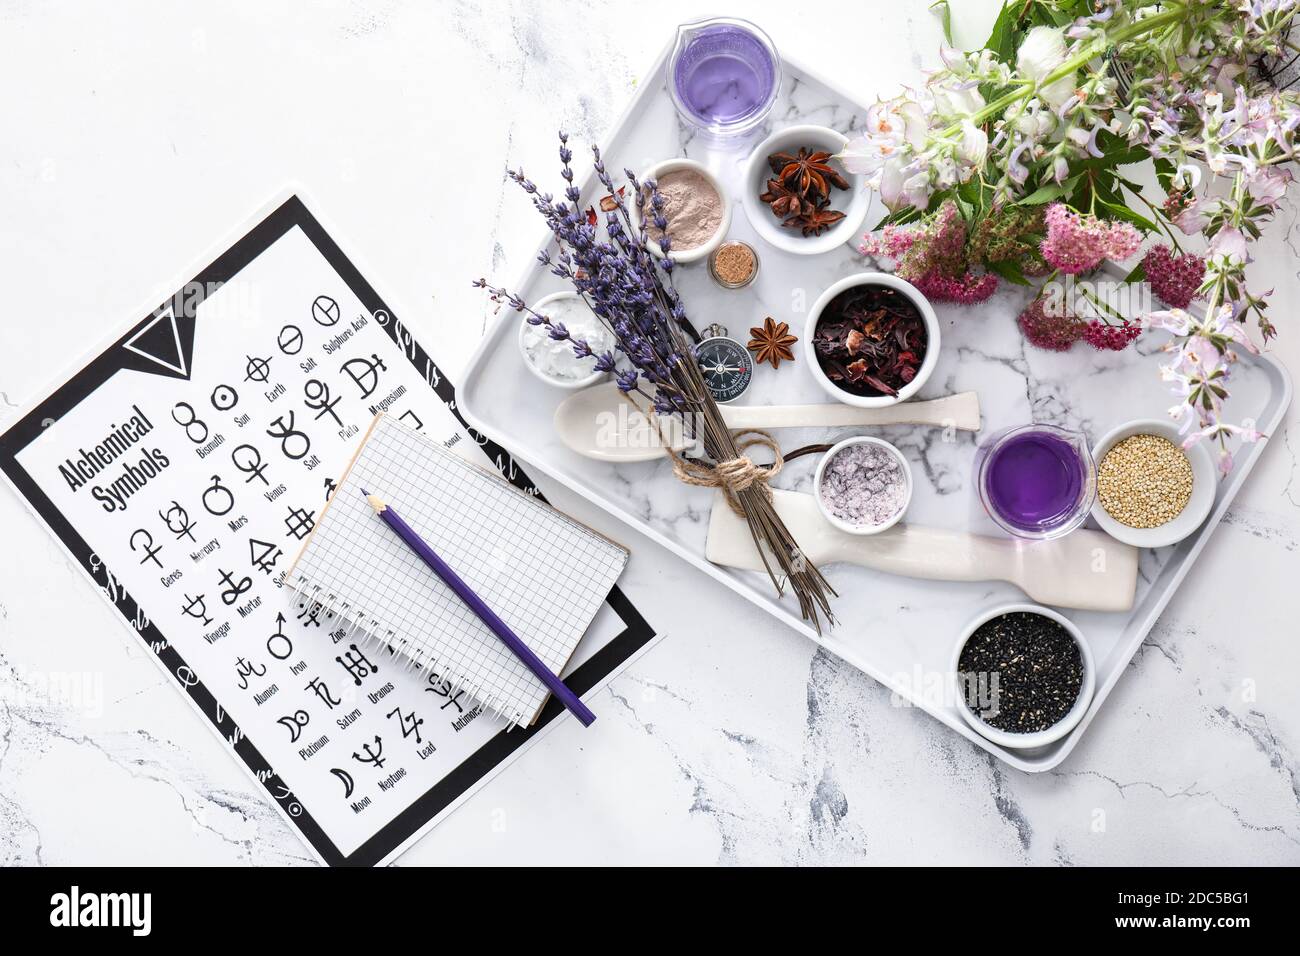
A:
(1049, 192)
(1165, 170)
(1010, 271)
(1138, 273)
(944, 12)
(1002, 41)
(1121, 211)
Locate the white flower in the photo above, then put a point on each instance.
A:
(1229, 243)
(1042, 51)
(1269, 187)
(974, 148)
(955, 60)
(1174, 320)
(916, 190)
(1194, 218)
(891, 182)
(960, 100)
(1186, 175)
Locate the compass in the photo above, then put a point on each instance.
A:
(725, 364)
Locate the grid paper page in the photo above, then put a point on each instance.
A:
(542, 573)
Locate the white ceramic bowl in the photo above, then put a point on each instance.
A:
(853, 202)
(1061, 727)
(1204, 486)
(931, 350)
(685, 256)
(569, 384)
(862, 528)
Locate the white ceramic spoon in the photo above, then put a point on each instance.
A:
(598, 422)
(1085, 569)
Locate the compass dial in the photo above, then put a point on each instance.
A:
(726, 366)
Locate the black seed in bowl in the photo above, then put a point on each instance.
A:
(1020, 672)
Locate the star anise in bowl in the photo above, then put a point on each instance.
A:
(800, 192)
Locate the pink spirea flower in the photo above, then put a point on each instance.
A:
(966, 289)
(1078, 243)
(1110, 338)
(933, 257)
(892, 242)
(1174, 279)
(1049, 325)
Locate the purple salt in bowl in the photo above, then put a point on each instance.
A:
(819, 482)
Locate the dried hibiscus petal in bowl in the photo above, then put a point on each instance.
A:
(870, 340)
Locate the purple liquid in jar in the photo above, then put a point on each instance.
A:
(724, 76)
(1034, 480)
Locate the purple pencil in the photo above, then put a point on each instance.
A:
(484, 613)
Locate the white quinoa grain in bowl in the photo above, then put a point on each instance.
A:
(1152, 492)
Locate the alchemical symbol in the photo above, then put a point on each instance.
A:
(293, 442)
(145, 539)
(323, 692)
(295, 722)
(348, 784)
(178, 522)
(290, 340)
(277, 645)
(196, 430)
(317, 398)
(246, 669)
(233, 590)
(257, 369)
(300, 522)
(224, 398)
(218, 499)
(309, 612)
(409, 723)
(357, 664)
(443, 688)
(263, 555)
(419, 425)
(365, 373)
(196, 607)
(325, 311)
(249, 460)
(373, 757)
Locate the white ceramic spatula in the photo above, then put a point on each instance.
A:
(1085, 569)
(599, 423)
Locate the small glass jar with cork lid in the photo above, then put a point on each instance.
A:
(734, 264)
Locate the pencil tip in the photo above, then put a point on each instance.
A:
(366, 493)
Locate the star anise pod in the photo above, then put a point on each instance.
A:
(784, 200)
(804, 171)
(816, 221)
(771, 342)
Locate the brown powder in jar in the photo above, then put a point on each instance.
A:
(734, 264)
(692, 207)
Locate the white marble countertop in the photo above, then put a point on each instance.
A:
(144, 133)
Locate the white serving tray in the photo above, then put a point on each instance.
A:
(901, 631)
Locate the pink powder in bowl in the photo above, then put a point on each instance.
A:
(864, 484)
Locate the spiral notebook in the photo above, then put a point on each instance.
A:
(543, 573)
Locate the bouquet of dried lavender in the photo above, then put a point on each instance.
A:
(631, 291)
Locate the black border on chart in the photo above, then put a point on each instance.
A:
(293, 212)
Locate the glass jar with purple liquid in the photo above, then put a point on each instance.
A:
(723, 75)
(1036, 481)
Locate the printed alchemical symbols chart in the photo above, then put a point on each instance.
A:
(186, 464)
